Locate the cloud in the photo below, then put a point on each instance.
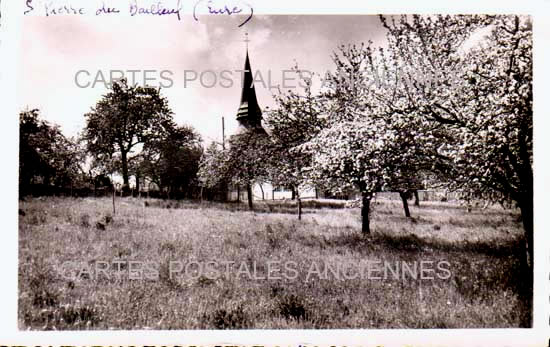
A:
(53, 49)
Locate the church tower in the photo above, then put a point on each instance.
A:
(249, 114)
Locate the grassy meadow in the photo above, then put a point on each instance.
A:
(485, 288)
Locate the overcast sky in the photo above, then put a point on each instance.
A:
(54, 49)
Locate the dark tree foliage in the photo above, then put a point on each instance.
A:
(172, 162)
(124, 119)
(46, 157)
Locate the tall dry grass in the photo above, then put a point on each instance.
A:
(485, 288)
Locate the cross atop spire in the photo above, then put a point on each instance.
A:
(246, 40)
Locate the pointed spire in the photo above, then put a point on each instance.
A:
(249, 114)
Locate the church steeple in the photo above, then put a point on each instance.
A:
(249, 114)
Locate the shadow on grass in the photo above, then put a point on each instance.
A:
(277, 206)
(478, 269)
(411, 242)
(443, 206)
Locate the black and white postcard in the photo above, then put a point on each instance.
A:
(213, 172)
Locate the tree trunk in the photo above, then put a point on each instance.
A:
(249, 193)
(137, 182)
(238, 194)
(526, 208)
(403, 196)
(365, 211)
(299, 204)
(125, 178)
(262, 189)
(526, 259)
(416, 198)
(293, 194)
(114, 210)
(316, 193)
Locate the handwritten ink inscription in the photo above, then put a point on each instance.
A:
(106, 10)
(51, 8)
(29, 7)
(223, 8)
(157, 9)
(142, 7)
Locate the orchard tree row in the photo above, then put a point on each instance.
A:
(130, 132)
(449, 97)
